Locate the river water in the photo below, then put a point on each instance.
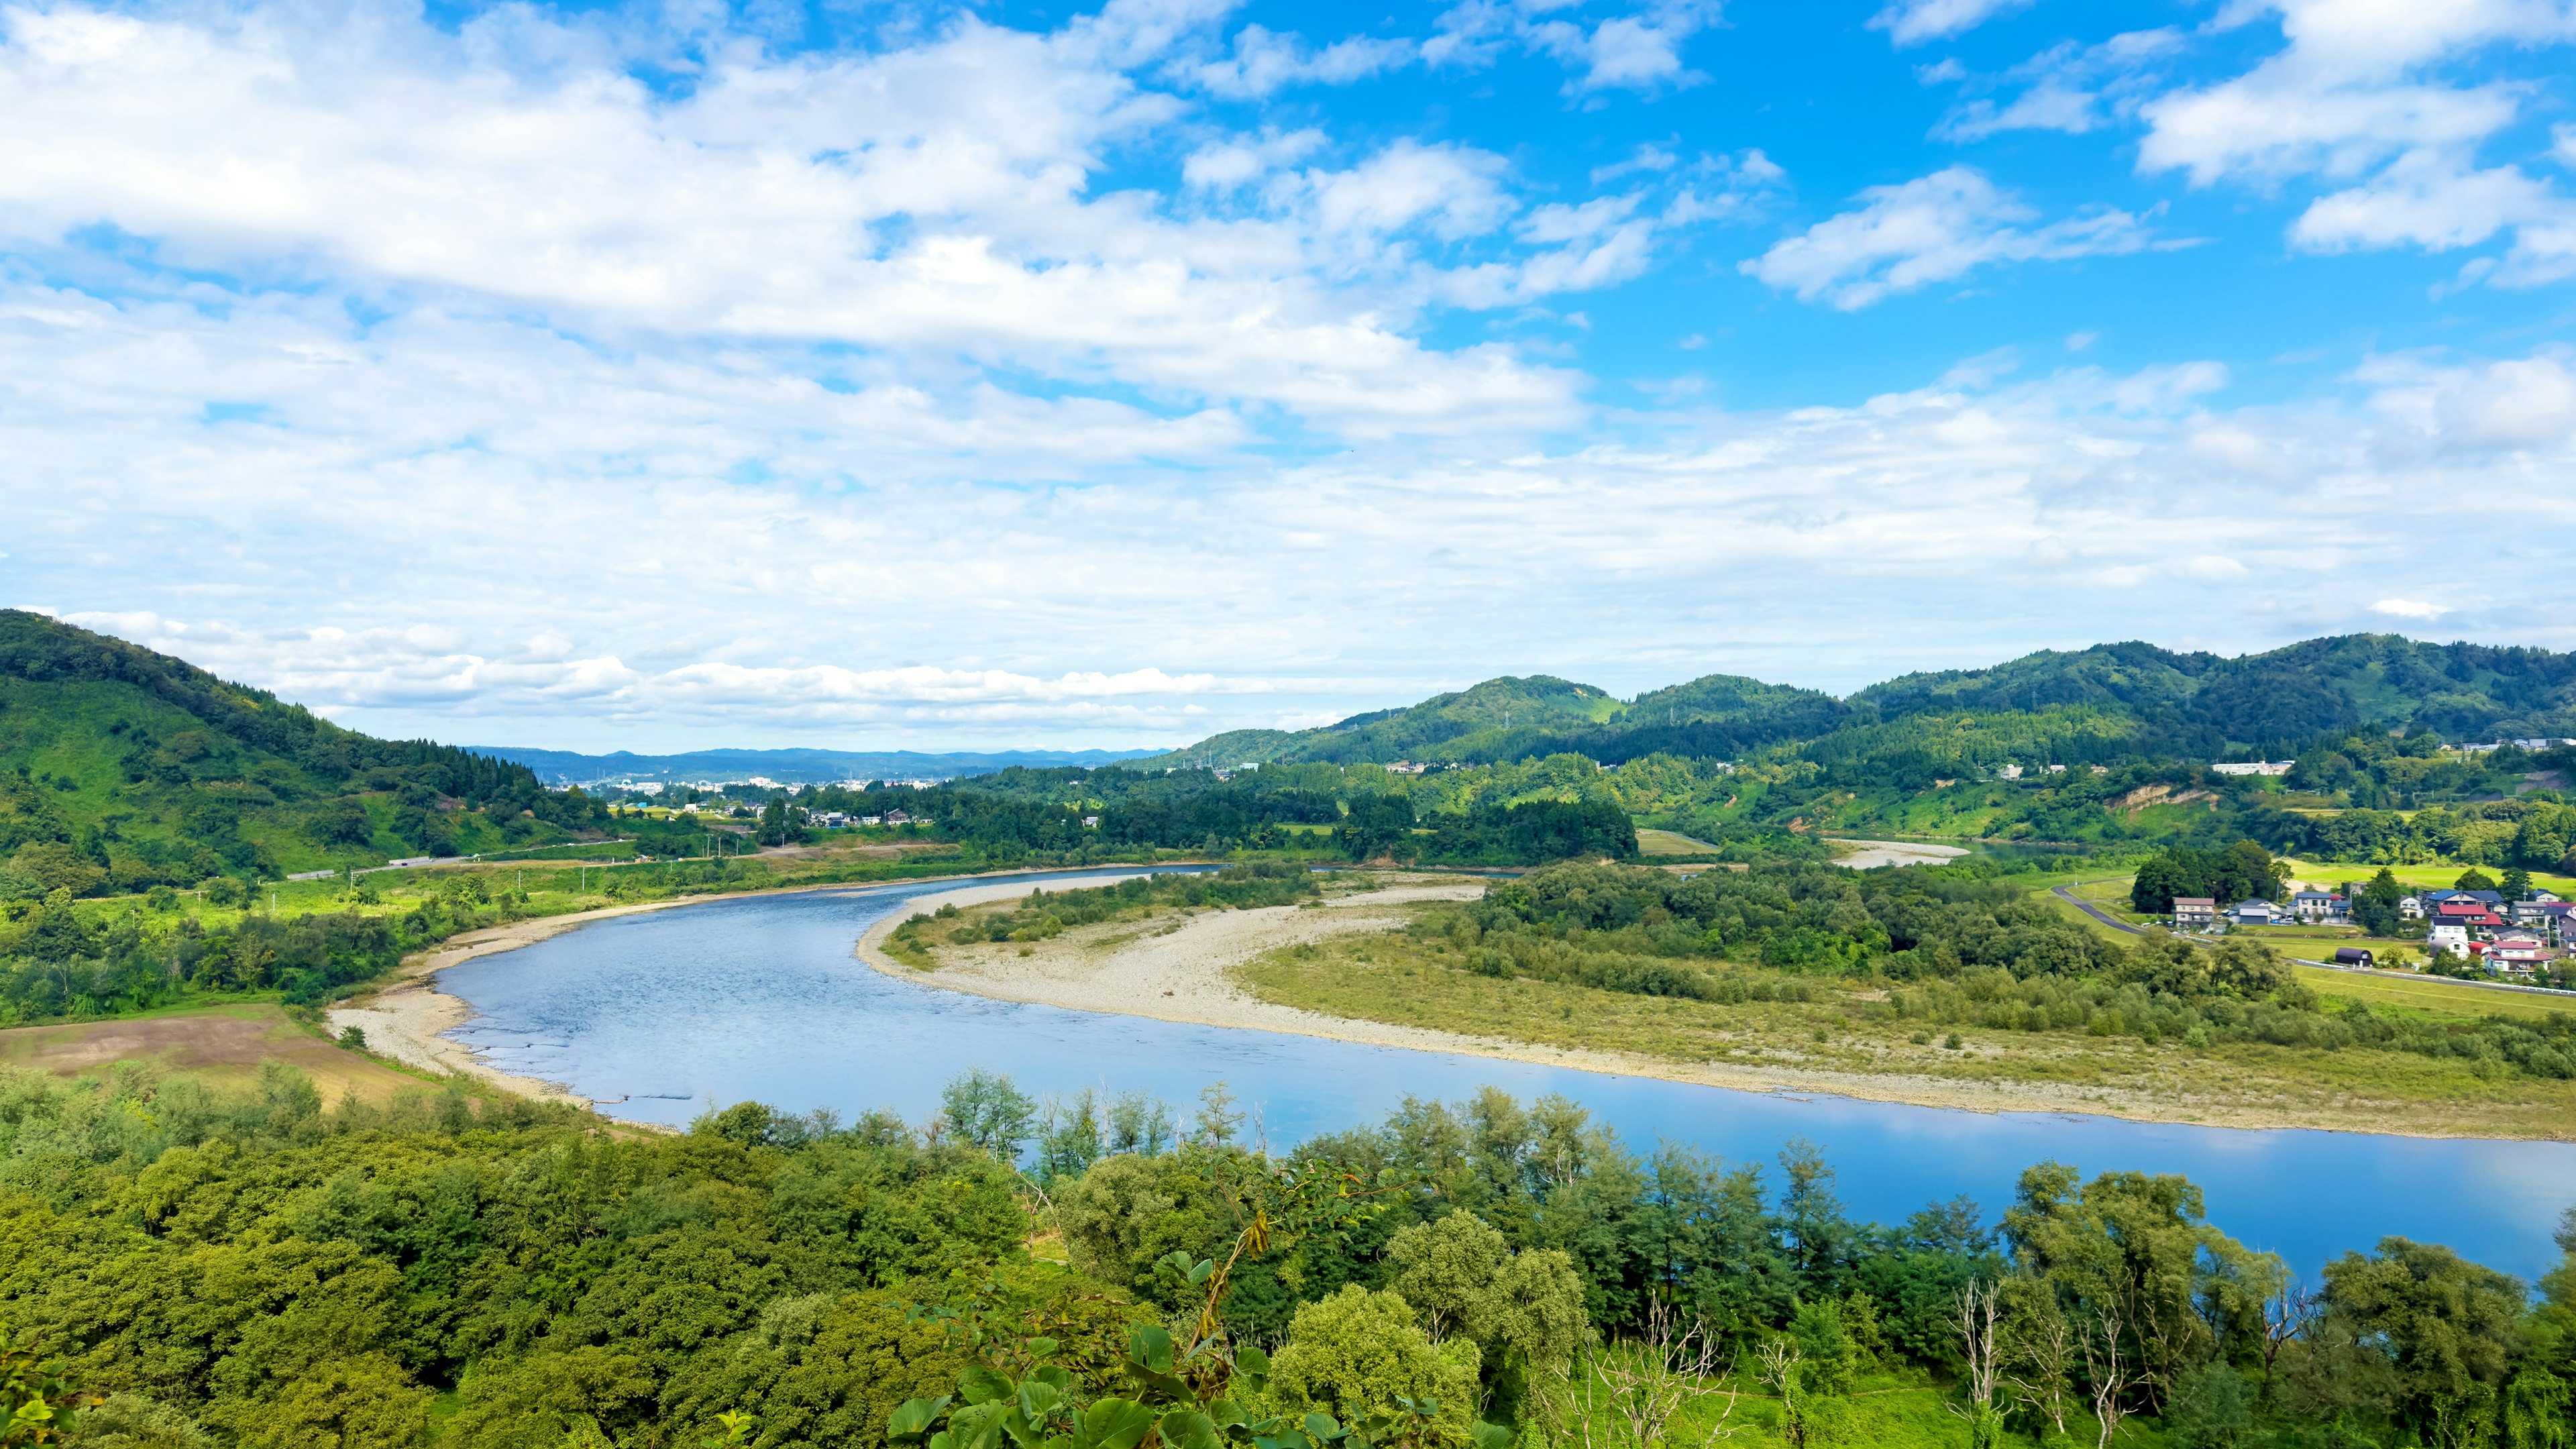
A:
(762, 998)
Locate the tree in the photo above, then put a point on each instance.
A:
(2516, 884)
(1356, 1354)
(1463, 1279)
(2474, 879)
(2375, 906)
(1981, 1345)
(2213, 1408)
(985, 1109)
(2447, 1327)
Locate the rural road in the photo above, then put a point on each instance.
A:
(2118, 925)
(2096, 913)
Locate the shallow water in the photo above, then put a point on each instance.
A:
(762, 998)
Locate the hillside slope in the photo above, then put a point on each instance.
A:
(122, 769)
(2131, 699)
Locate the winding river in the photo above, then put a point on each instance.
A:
(657, 1015)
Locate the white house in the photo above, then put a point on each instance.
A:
(2255, 913)
(2316, 906)
(2448, 938)
(2194, 911)
(2411, 907)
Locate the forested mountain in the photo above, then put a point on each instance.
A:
(2160, 703)
(121, 769)
(569, 767)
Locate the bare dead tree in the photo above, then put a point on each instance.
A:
(1980, 1335)
(2107, 1371)
(2290, 1314)
(2046, 1356)
(1779, 1360)
(1642, 1387)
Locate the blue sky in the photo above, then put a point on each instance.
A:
(658, 376)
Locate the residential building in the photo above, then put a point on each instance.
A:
(2558, 918)
(2319, 907)
(2518, 954)
(1091, 822)
(2448, 938)
(2256, 913)
(2411, 907)
(2254, 767)
(2007, 772)
(2191, 912)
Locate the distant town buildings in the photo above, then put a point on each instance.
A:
(2253, 767)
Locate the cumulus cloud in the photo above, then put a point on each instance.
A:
(683, 545)
(2524, 404)
(1933, 229)
(934, 197)
(1263, 61)
(1639, 51)
(1912, 22)
(2357, 95)
(2068, 88)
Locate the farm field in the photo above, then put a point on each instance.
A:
(226, 1045)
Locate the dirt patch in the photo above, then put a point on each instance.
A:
(224, 1042)
(1870, 854)
(1173, 966)
(2133, 801)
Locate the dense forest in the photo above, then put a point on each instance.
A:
(188, 1270)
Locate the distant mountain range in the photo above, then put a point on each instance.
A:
(788, 767)
(2173, 704)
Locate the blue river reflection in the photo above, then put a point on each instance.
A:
(762, 998)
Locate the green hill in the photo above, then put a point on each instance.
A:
(2155, 702)
(122, 769)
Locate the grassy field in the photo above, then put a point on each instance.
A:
(1670, 842)
(225, 1044)
(2418, 877)
(1849, 1037)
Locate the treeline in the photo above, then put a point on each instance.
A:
(1213, 816)
(1946, 949)
(1044, 914)
(501, 1274)
(2244, 871)
(56, 962)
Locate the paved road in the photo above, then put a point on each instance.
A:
(2088, 908)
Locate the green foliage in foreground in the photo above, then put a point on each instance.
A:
(229, 1271)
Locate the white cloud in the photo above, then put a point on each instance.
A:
(1264, 61)
(2409, 609)
(2520, 404)
(1932, 229)
(1640, 51)
(2069, 88)
(2358, 94)
(1912, 22)
(470, 528)
(2430, 199)
(931, 198)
